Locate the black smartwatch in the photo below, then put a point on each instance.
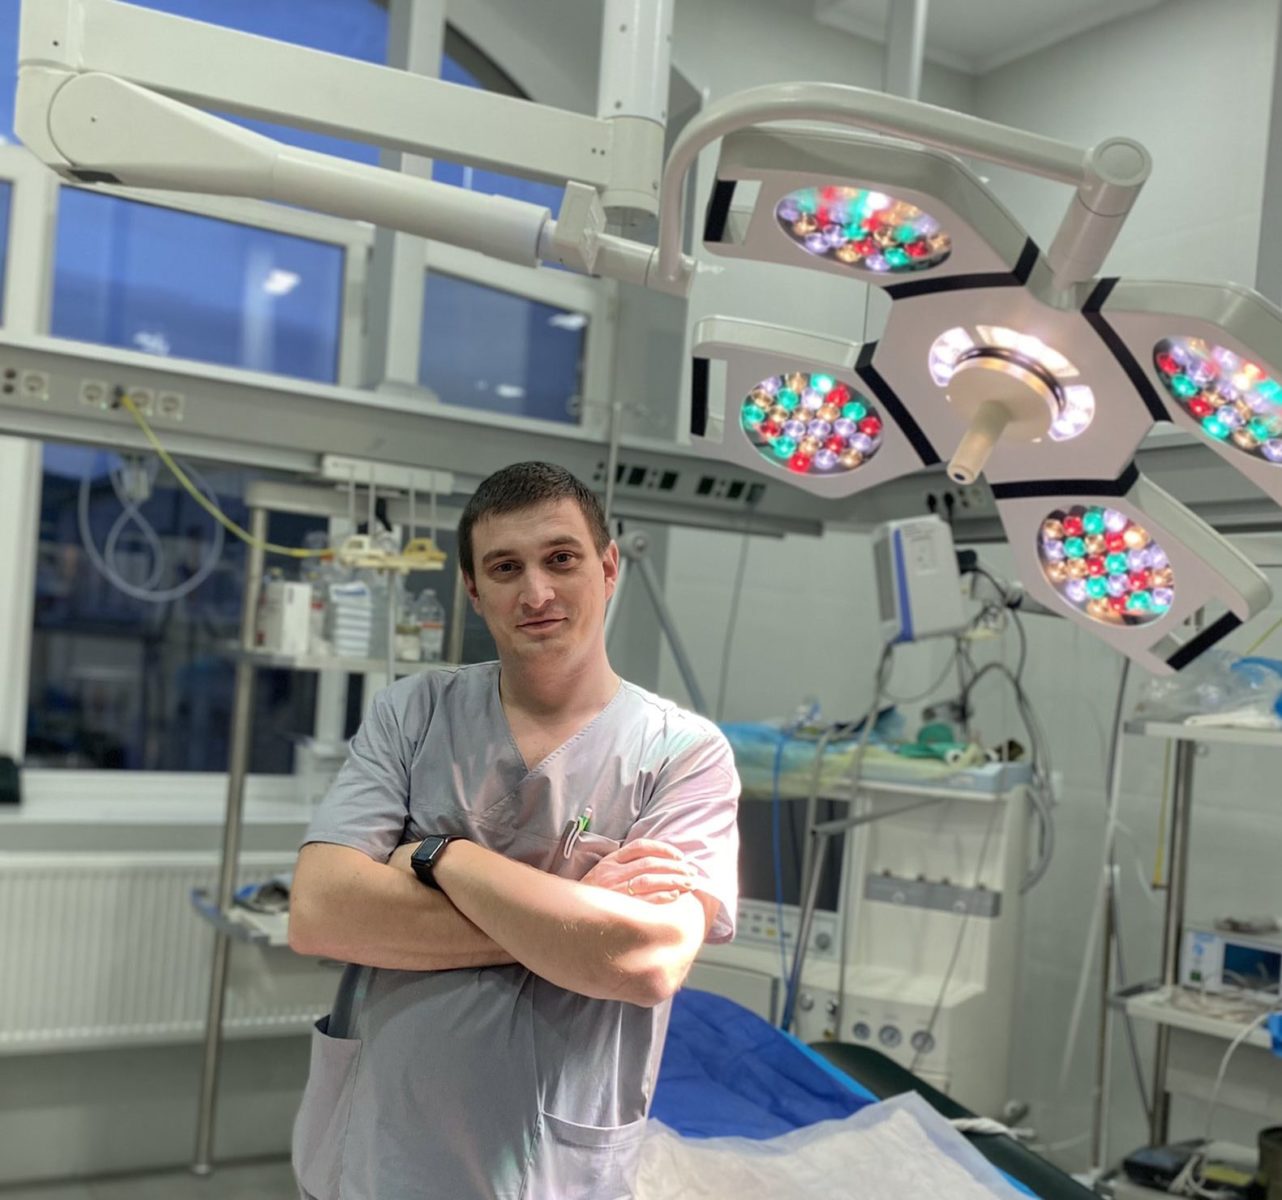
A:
(428, 854)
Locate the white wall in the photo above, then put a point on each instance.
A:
(1193, 82)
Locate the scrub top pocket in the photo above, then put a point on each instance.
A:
(582, 1162)
(320, 1128)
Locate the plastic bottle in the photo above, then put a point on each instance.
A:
(408, 644)
(430, 614)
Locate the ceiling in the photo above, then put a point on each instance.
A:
(978, 36)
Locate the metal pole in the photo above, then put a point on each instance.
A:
(1268, 270)
(905, 48)
(1105, 1028)
(616, 601)
(237, 769)
(809, 902)
(458, 619)
(1181, 812)
(612, 458)
(684, 666)
(632, 98)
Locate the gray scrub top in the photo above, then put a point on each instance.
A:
(474, 1084)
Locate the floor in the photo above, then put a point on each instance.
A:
(244, 1181)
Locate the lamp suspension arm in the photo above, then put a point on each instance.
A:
(1108, 177)
(330, 93)
(112, 131)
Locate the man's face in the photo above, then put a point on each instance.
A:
(540, 583)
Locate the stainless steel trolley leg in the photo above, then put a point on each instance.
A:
(238, 768)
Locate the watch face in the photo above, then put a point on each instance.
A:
(428, 849)
(423, 859)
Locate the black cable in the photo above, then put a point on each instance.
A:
(1004, 596)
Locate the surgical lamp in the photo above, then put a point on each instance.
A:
(997, 357)
(1045, 382)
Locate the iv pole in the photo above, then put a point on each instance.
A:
(634, 558)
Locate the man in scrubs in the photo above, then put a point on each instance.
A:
(520, 861)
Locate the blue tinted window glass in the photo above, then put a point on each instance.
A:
(8, 65)
(491, 350)
(147, 278)
(6, 198)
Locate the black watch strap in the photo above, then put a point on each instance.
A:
(425, 858)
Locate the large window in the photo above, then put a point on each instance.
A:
(173, 283)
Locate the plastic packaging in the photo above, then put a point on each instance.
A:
(1219, 687)
(350, 618)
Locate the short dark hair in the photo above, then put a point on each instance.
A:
(523, 485)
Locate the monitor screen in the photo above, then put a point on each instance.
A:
(757, 857)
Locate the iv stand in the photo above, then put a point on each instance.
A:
(634, 558)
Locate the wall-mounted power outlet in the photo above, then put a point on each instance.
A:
(172, 406)
(95, 393)
(35, 385)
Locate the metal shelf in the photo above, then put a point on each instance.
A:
(1226, 735)
(242, 924)
(326, 662)
(939, 790)
(1155, 1004)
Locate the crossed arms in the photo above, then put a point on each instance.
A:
(598, 937)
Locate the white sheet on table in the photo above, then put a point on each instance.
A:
(889, 1151)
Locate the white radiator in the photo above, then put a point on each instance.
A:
(105, 949)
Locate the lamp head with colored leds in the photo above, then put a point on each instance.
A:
(1106, 565)
(863, 229)
(1234, 400)
(811, 424)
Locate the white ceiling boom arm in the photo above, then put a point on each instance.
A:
(106, 94)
